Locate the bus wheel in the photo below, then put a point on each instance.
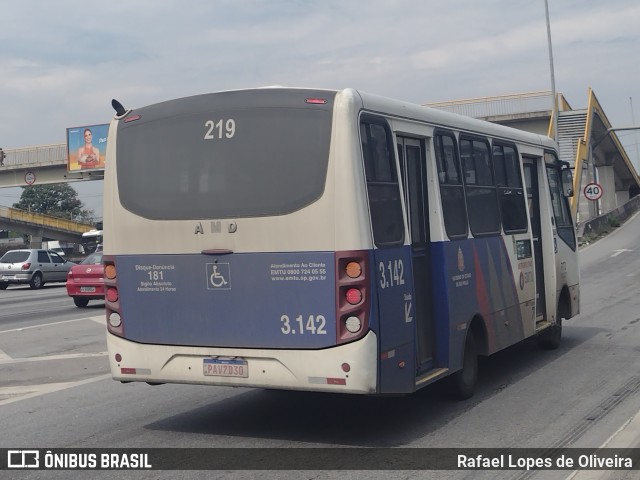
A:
(549, 339)
(36, 281)
(463, 382)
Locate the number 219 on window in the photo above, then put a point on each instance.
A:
(220, 129)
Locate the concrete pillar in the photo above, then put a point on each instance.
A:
(36, 241)
(606, 179)
(587, 209)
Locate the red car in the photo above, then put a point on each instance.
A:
(85, 281)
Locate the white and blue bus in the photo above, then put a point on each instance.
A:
(329, 241)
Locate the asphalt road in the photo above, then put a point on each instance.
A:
(55, 391)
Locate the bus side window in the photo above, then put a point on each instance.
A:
(382, 182)
(454, 209)
(506, 164)
(480, 190)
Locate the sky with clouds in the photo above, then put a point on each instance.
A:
(62, 62)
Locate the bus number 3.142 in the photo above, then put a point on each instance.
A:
(315, 325)
(392, 275)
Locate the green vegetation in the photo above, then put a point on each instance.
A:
(592, 235)
(614, 222)
(57, 200)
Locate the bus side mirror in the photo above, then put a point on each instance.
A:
(567, 182)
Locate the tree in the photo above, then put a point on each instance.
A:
(58, 200)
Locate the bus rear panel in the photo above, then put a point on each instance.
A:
(222, 239)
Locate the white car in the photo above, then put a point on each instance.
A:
(32, 266)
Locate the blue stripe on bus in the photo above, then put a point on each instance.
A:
(474, 277)
(393, 283)
(253, 300)
(287, 300)
(468, 278)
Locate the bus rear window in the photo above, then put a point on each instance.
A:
(225, 155)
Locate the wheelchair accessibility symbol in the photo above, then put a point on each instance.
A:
(218, 276)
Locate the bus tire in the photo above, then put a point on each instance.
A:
(463, 382)
(81, 302)
(550, 338)
(36, 281)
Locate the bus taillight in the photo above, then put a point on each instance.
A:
(115, 320)
(112, 294)
(352, 295)
(353, 324)
(112, 298)
(353, 270)
(110, 271)
(316, 101)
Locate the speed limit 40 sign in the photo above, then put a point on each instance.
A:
(593, 191)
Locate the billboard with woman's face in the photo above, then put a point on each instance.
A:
(86, 147)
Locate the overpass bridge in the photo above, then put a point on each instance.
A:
(40, 165)
(41, 226)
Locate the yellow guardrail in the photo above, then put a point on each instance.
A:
(18, 215)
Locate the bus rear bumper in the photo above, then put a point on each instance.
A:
(313, 370)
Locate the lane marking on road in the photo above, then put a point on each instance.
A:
(618, 252)
(4, 356)
(94, 318)
(10, 360)
(37, 390)
(627, 436)
(101, 319)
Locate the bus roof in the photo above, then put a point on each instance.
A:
(407, 110)
(455, 121)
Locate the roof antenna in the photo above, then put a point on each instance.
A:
(117, 106)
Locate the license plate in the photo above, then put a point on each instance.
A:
(225, 367)
(87, 289)
(8, 277)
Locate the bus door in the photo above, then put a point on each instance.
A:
(533, 198)
(412, 154)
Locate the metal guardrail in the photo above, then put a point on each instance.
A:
(596, 227)
(36, 219)
(55, 154)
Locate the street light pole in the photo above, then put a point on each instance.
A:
(633, 121)
(554, 112)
